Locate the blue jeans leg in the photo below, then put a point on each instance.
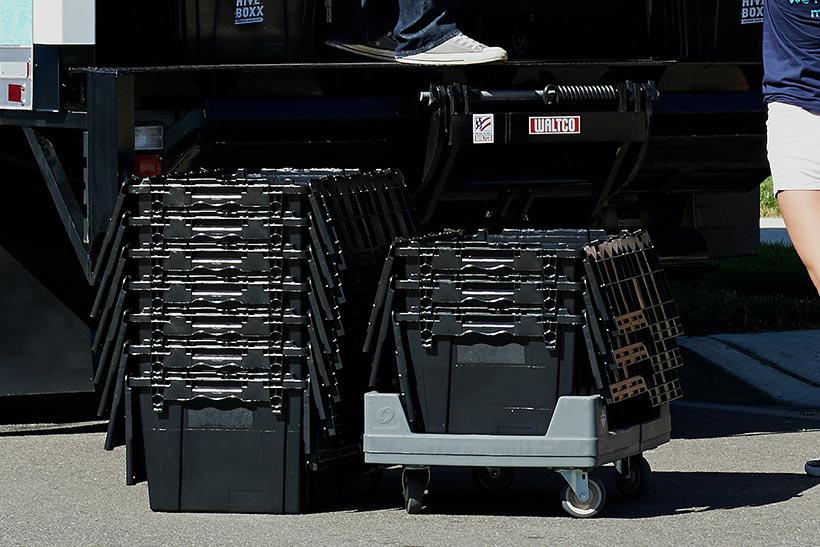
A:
(423, 25)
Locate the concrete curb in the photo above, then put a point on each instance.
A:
(766, 368)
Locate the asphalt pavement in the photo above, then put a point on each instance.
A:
(730, 476)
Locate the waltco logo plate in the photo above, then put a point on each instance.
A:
(555, 125)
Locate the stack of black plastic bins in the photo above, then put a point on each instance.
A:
(485, 327)
(232, 308)
(491, 331)
(231, 321)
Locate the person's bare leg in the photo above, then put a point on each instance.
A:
(801, 211)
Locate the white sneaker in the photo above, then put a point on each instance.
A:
(813, 468)
(458, 50)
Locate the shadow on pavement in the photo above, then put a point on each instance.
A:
(696, 492)
(51, 429)
(49, 409)
(714, 423)
(535, 493)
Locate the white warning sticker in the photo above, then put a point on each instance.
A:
(483, 128)
(555, 125)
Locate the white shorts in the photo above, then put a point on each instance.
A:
(794, 148)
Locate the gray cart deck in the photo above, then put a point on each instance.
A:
(578, 437)
(578, 440)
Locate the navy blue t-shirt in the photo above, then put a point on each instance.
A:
(791, 53)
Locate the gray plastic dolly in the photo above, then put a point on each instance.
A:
(578, 440)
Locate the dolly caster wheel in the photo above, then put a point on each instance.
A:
(414, 483)
(591, 507)
(493, 479)
(633, 476)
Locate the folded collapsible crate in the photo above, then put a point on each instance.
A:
(633, 321)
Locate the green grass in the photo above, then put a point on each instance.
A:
(768, 292)
(768, 203)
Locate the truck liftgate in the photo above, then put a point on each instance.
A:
(650, 132)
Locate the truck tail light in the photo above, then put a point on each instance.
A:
(15, 93)
(148, 165)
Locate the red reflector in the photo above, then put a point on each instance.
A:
(148, 165)
(15, 93)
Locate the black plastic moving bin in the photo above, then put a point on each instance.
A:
(232, 316)
(501, 385)
(485, 327)
(247, 31)
(222, 456)
(707, 30)
(489, 331)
